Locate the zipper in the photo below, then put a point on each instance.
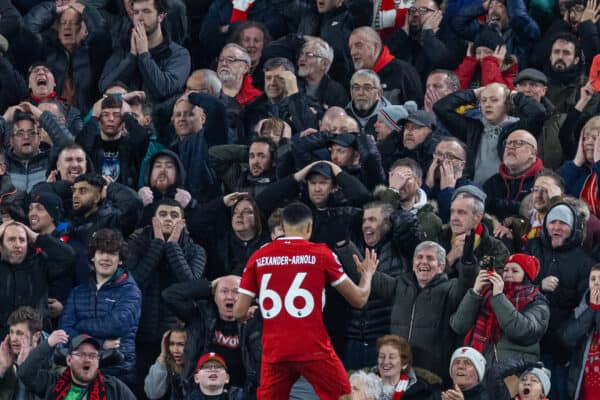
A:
(412, 315)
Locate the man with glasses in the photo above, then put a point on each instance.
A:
(514, 180)
(81, 380)
(233, 72)
(367, 100)
(424, 41)
(399, 80)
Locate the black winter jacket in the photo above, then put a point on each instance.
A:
(156, 264)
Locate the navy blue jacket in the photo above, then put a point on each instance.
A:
(111, 312)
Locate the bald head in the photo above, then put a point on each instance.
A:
(329, 116)
(520, 152)
(344, 124)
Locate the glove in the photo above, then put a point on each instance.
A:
(146, 195)
(467, 256)
(240, 11)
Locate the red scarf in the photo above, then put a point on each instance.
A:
(401, 387)
(589, 193)
(248, 92)
(50, 96)
(401, 14)
(384, 59)
(96, 390)
(486, 329)
(537, 166)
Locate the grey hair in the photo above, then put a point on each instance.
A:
(210, 78)
(371, 35)
(323, 49)
(440, 252)
(478, 206)
(373, 385)
(452, 80)
(245, 56)
(368, 74)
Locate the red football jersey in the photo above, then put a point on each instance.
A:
(289, 276)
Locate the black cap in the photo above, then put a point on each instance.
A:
(81, 339)
(422, 118)
(344, 139)
(321, 168)
(52, 203)
(489, 38)
(531, 74)
(39, 63)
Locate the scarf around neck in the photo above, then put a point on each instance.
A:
(96, 390)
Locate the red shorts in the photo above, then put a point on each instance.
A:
(328, 377)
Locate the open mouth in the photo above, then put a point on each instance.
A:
(526, 391)
(41, 81)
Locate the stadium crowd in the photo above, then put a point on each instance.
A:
(150, 147)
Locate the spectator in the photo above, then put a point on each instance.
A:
(509, 17)
(515, 178)
(504, 317)
(25, 333)
(466, 218)
(399, 80)
(580, 335)
(76, 54)
(108, 307)
(164, 378)
(565, 266)
(12, 84)
(314, 62)
(394, 236)
(365, 386)
(211, 377)
(367, 99)
(548, 188)
(158, 256)
(485, 135)
(439, 83)
(487, 62)
(211, 327)
(152, 62)
(467, 370)
(82, 374)
(445, 173)
(426, 41)
(254, 37)
(427, 296)
(30, 274)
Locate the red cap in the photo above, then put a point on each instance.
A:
(529, 264)
(210, 357)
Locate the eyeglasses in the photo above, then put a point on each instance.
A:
(230, 60)
(367, 88)
(21, 133)
(419, 10)
(212, 367)
(86, 356)
(516, 143)
(447, 156)
(309, 54)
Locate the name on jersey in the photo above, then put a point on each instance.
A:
(285, 260)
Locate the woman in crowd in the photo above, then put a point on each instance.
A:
(400, 379)
(487, 314)
(164, 378)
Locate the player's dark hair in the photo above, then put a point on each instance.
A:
(296, 213)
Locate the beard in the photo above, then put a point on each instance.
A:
(83, 209)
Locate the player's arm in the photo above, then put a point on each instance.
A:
(241, 308)
(357, 296)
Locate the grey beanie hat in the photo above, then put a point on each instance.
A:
(543, 375)
(472, 190)
(562, 213)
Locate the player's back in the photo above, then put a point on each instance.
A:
(291, 275)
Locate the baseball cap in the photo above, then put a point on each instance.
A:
(81, 339)
(422, 118)
(322, 169)
(210, 357)
(343, 139)
(531, 74)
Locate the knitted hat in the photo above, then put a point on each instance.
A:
(52, 203)
(210, 357)
(529, 264)
(560, 213)
(472, 355)
(543, 375)
(472, 190)
(391, 115)
(489, 38)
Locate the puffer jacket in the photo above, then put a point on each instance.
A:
(190, 302)
(521, 330)
(422, 315)
(111, 312)
(27, 173)
(84, 64)
(27, 283)
(156, 264)
(571, 265)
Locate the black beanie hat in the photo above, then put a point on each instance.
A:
(52, 203)
(489, 38)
